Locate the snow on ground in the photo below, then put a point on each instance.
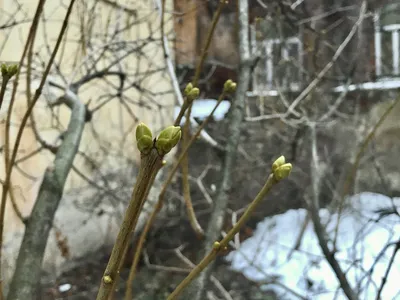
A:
(362, 238)
(202, 108)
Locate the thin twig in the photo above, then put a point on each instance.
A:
(221, 245)
(320, 232)
(11, 190)
(194, 223)
(386, 276)
(236, 118)
(213, 279)
(171, 71)
(352, 174)
(299, 239)
(160, 201)
(335, 57)
(313, 84)
(186, 128)
(3, 88)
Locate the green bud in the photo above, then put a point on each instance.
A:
(233, 87)
(4, 70)
(278, 162)
(167, 139)
(8, 71)
(193, 94)
(188, 88)
(12, 70)
(107, 279)
(283, 171)
(143, 130)
(144, 138)
(216, 245)
(229, 86)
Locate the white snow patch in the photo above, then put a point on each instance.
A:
(64, 288)
(361, 241)
(202, 108)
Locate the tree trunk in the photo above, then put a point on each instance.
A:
(26, 278)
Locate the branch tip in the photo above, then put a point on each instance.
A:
(229, 86)
(144, 138)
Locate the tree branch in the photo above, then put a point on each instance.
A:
(99, 74)
(386, 276)
(196, 290)
(171, 71)
(318, 227)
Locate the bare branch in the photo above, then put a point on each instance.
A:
(197, 288)
(318, 227)
(175, 83)
(385, 277)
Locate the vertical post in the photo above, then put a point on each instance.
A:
(269, 65)
(253, 41)
(378, 46)
(300, 54)
(285, 56)
(395, 51)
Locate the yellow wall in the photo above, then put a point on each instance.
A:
(109, 139)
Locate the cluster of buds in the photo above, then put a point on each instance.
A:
(280, 168)
(8, 71)
(191, 92)
(166, 140)
(229, 86)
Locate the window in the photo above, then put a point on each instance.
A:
(387, 41)
(280, 64)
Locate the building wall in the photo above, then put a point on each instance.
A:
(87, 217)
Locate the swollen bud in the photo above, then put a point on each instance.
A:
(216, 245)
(107, 279)
(4, 70)
(193, 94)
(229, 86)
(12, 70)
(144, 138)
(278, 162)
(8, 71)
(283, 171)
(167, 139)
(188, 88)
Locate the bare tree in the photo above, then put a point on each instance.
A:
(91, 94)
